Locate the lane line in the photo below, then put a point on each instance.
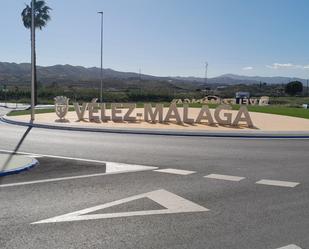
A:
(54, 156)
(225, 177)
(278, 183)
(172, 204)
(112, 165)
(113, 172)
(110, 168)
(35, 156)
(290, 247)
(175, 171)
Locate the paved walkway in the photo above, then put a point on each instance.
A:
(10, 164)
(261, 121)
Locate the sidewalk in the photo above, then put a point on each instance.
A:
(11, 164)
(22, 106)
(18, 106)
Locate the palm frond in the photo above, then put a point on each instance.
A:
(41, 14)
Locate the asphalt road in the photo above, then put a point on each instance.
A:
(242, 213)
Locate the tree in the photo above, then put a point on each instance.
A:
(294, 88)
(41, 12)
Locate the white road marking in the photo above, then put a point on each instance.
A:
(290, 247)
(53, 156)
(225, 177)
(176, 171)
(172, 203)
(117, 169)
(35, 156)
(278, 183)
(110, 168)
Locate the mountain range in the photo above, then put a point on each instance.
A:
(13, 73)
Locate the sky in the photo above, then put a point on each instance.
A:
(167, 37)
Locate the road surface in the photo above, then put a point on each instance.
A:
(225, 193)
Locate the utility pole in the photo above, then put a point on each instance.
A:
(206, 71)
(140, 74)
(101, 88)
(5, 91)
(32, 60)
(307, 89)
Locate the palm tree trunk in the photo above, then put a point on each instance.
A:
(35, 73)
(35, 80)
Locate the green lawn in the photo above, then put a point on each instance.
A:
(281, 110)
(275, 109)
(27, 112)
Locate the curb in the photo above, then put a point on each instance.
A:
(222, 134)
(33, 163)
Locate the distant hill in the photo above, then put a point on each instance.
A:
(21, 74)
(232, 79)
(269, 80)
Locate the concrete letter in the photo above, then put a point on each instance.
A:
(264, 100)
(173, 113)
(253, 101)
(114, 107)
(243, 111)
(228, 116)
(104, 118)
(93, 108)
(80, 111)
(127, 116)
(158, 112)
(245, 102)
(186, 119)
(205, 114)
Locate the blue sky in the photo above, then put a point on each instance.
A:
(167, 37)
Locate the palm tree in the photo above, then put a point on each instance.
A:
(41, 18)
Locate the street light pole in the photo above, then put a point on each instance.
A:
(101, 89)
(206, 71)
(32, 60)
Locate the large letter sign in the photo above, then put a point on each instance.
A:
(228, 116)
(93, 108)
(186, 118)
(205, 114)
(222, 115)
(104, 117)
(158, 112)
(80, 111)
(246, 117)
(127, 116)
(115, 110)
(173, 113)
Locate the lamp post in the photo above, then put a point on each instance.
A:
(32, 60)
(101, 75)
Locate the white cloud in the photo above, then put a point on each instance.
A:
(247, 68)
(287, 66)
(280, 65)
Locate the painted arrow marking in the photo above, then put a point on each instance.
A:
(172, 203)
(290, 247)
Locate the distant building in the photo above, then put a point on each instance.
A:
(221, 88)
(241, 95)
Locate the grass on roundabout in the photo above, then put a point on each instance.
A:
(271, 109)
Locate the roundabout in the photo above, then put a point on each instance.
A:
(180, 121)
